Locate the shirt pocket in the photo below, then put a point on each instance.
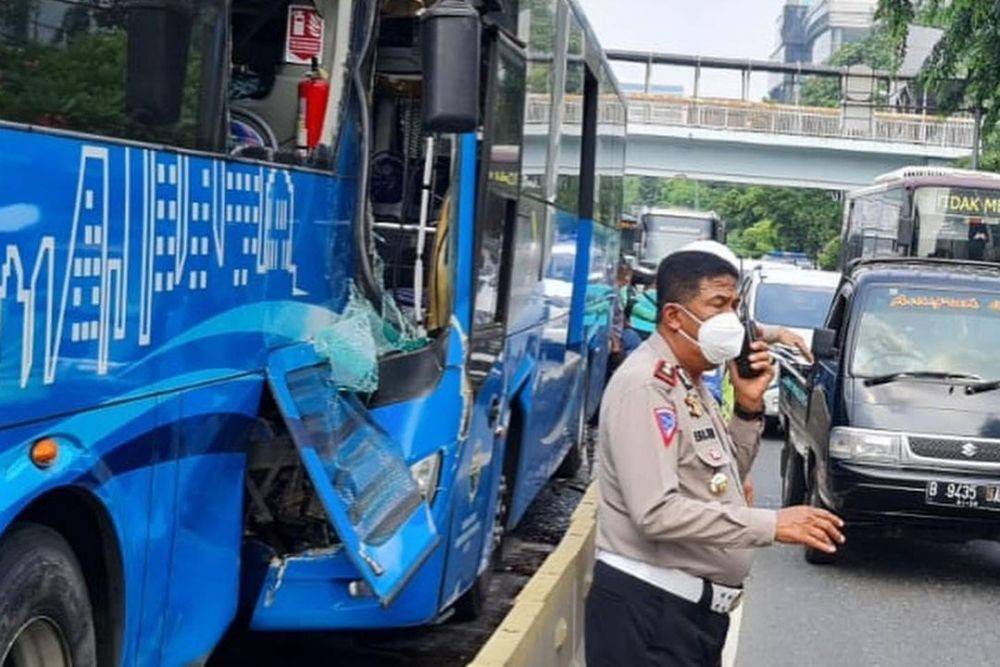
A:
(708, 446)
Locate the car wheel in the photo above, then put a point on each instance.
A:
(793, 476)
(45, 615)
(816, 556)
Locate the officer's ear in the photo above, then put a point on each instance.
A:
(670, 317)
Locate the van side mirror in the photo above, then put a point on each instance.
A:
(159, 37)
(450, 34)
(824, 343)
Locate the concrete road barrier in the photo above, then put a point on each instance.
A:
(545, 627)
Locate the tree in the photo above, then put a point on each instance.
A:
(964, 68)
(801, 219)
(755, 240)
(829, 256)
(876, 50)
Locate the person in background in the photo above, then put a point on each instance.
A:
(675, 532)
(623, 341)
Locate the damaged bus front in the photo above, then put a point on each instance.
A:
(298, 310)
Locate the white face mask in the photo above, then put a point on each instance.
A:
(720, 337)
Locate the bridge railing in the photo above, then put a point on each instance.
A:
(884, 126)
(889, 127)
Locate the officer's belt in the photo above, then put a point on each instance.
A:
(676, 582)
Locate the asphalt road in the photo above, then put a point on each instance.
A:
(887, 602)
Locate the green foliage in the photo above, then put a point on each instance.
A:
(877, 50)
(757, 239)
(829, 256)
(796, 219)
(77, 80)
(964, 69)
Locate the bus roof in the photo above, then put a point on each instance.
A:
(931, 177)
(683, 213)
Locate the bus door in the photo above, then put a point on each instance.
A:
(480, 466)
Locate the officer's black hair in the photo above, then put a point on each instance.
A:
(679, 276)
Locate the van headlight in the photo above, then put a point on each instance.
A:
(426, 472)
(863, 445)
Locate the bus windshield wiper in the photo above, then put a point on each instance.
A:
(980, 387)
(904, 375)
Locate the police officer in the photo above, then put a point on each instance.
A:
(674, 530)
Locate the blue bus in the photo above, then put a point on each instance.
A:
(300, 306)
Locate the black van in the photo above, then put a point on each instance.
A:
(897, 424)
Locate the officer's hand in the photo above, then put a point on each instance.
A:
(749, 392)
(748, 491)
(792, 339)
(810, 526)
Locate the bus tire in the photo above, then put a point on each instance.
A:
(576, 457)
(45, 612)
(472, 602)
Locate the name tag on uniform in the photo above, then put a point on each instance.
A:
(703, 434)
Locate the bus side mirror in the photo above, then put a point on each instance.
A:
(824, 343)
(159, 37)
(450, 44)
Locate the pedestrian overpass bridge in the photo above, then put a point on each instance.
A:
(742, 141)
(764, 144)
(768, 144)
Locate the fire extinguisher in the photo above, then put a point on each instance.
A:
(314, 91)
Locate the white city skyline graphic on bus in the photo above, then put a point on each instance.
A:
(189, 224)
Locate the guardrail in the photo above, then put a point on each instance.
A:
(759, 117)
(545, 626)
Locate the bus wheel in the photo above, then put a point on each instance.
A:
(45, 614)
(576, 457)
(471, 604)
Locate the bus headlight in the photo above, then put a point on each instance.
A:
(426, 472)
(863, 445)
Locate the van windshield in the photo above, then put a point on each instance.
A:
(904, 329)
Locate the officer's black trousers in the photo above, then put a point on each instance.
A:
(633, 624)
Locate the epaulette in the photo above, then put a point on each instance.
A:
(666, 373)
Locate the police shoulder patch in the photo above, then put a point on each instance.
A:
(666, 373)
(666, 421)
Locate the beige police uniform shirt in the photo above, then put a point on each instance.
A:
(662, 441)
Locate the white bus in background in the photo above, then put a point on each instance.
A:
(664, 230)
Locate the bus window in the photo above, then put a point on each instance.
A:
(63, 65)
(499, 214)
(958, 223)
(267, 72)
(571, 129)
(610, 153)
(537, 29)
(874, 225)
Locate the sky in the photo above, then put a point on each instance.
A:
(731, 28)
